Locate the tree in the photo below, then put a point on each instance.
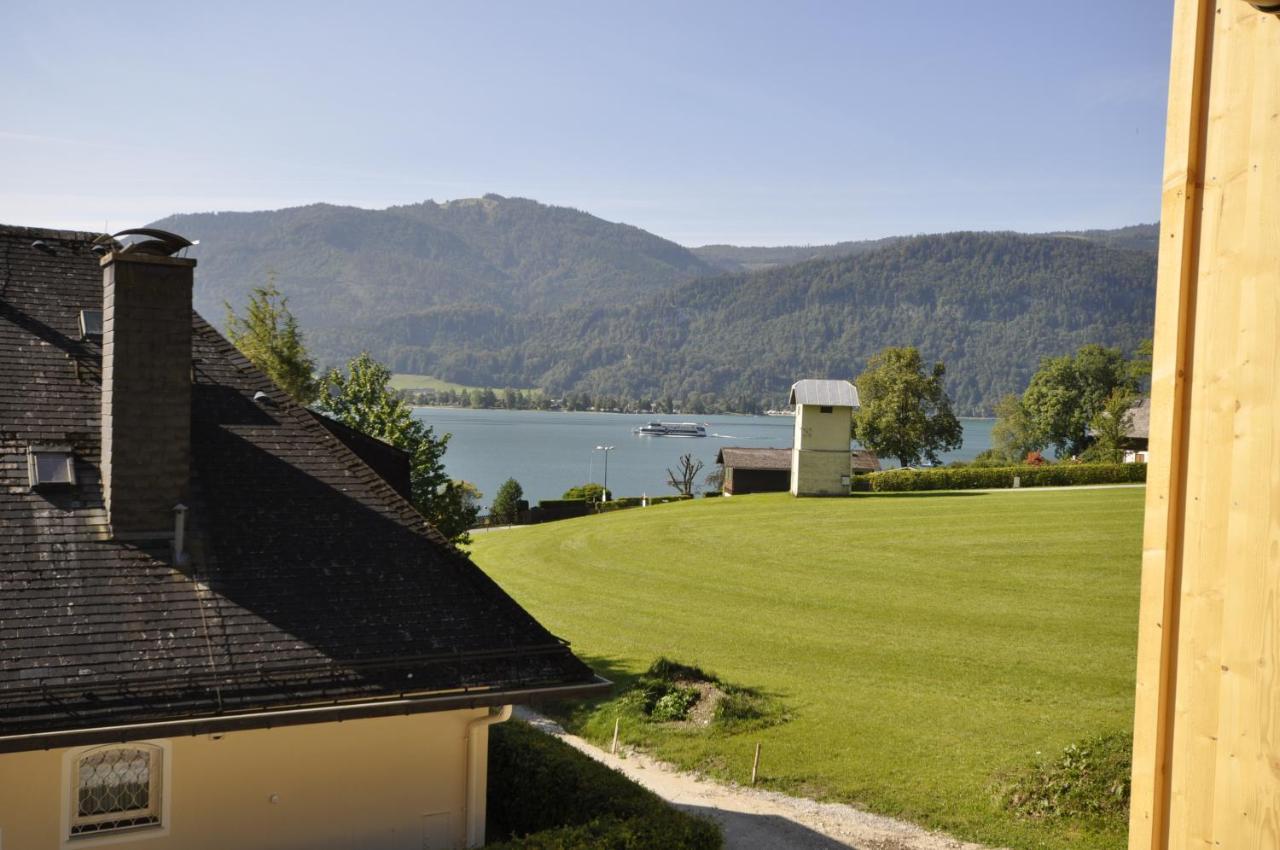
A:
(268, 335)
(1014, 435)
(1110, 428)
(457, 509)
(505, 507)
(1067, 392)
(688, 468)
(362, 398)
(905, 412)
(591, 492)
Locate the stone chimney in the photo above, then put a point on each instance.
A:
(146, 390)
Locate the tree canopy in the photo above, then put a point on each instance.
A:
(1066, 393)
(905, 411)
(362, 398)
(505, 507)
(268, 335)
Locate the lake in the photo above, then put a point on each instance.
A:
(549, 452)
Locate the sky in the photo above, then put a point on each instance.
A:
(741, 122)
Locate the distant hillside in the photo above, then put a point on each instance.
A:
(734, 258)
(989, 305)
(344, 265)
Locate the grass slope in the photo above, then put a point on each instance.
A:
(924, 644)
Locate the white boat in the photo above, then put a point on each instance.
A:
(672, 429)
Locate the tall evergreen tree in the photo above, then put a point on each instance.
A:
(268, 335)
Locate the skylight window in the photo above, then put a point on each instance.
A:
(91, 324)
(51, 466)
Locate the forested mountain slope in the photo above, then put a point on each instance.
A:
(344, 265)
(1139, 237)
(989, 305)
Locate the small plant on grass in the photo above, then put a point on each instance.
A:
(1088, 782)
(674, 704)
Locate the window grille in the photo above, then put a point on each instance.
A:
(116, 788)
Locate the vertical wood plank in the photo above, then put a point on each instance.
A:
(1207, 726)
(1176, 283)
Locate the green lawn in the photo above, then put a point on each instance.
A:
(924, 644)
(406, 381)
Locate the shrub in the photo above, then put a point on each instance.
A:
(976, 477)
(674, 704)
(1088, 782)
(546, 795)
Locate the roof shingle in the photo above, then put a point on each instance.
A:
(311, 579)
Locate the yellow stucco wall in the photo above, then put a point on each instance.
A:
(396, 783)
(820, 454)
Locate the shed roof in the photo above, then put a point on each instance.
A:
(752, 458)
(833, 393)
(311, 580)
(865, 460)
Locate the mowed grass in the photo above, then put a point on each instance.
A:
(407, 381)
(924, 645)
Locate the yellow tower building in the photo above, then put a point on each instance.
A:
(821, 456)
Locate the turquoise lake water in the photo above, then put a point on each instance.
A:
(550, 452)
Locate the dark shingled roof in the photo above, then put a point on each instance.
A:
(311, 582)
(739, 458)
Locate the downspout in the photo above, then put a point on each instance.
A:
(478, 771)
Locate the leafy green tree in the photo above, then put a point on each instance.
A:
(505, 506)
(905, 411)
(1015, 434)
(1110, 428)
(362, 398)
(591, 492)
(457, 509)
(268, 335)
(1067, 392)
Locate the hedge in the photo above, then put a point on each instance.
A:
(545, 795)
(979, 478)
(636, 501)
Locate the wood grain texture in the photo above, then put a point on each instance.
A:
(1207, 730)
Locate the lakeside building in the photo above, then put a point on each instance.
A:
(219, 626)
(821, 462)
(757, 470)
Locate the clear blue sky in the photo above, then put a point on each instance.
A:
(743, 122)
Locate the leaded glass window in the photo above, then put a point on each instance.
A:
(116, 788)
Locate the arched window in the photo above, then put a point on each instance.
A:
(116, 788)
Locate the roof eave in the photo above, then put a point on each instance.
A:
(271, 719)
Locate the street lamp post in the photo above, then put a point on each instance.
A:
(606, 450)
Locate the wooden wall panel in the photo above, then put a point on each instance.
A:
(1207, 731)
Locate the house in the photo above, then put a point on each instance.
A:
(754, 470)
(219, 627)
(1135, 444)
(821, 459)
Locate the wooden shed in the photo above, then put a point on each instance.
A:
(1206, 767)
(751, 470)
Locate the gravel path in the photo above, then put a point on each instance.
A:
(761, 820)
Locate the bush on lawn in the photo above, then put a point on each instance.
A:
(979, 478)
(545, 795)
(1087, 782)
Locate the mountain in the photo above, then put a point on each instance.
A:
(735, 258)
(344, 265)
(989, 305)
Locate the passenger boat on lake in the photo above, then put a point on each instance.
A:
(672, 429)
